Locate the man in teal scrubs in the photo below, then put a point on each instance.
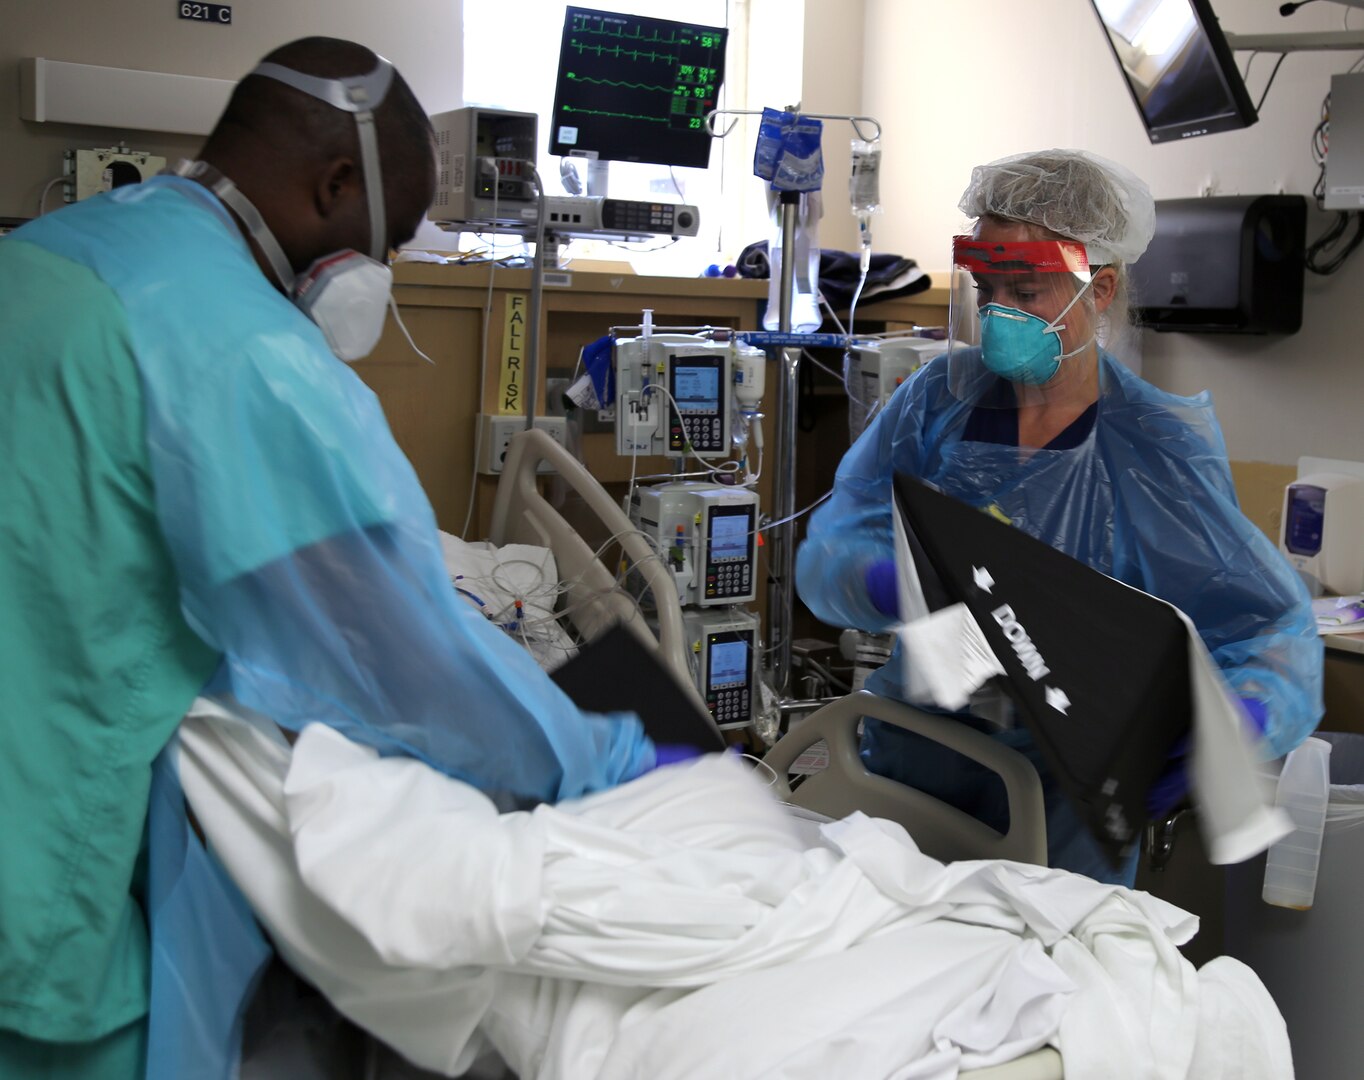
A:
(199, 497)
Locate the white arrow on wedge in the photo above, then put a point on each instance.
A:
(983, 578)
(1057, 700)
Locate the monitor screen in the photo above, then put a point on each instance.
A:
(636, 89)
(1178, 67)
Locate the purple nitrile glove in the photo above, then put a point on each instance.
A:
(1172, 785)
(672, 753)
(1257, 712)
(882, 587)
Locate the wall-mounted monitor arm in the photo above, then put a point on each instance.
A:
(1305, 42)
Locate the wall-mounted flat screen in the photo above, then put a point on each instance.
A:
(1178, 67)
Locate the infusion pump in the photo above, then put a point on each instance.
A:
(706, 534)
(877, 369)
(676, 394)
(724, 644)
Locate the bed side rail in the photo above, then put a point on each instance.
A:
(522, 515)
(940, 830)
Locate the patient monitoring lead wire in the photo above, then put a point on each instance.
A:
(797, 515)
(713, 470)
(42, 199)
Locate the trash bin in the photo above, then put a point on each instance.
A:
(1311, 961)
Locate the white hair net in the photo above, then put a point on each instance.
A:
(1075, 194)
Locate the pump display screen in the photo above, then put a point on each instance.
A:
(728, 663)
(728, 537)
(696, 389)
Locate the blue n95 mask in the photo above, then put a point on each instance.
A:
(1022, 347)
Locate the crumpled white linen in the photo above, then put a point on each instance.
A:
(679, 924)
(491, 578)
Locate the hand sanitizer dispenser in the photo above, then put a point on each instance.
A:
(1323, 531)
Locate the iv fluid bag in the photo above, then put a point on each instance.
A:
(864, 184)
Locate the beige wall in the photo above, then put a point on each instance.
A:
(956, 84)
(423, 37)
(831, 83)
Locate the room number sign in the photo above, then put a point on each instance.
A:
(211, 13)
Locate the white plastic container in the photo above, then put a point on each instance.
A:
(1311, 961)
(1304, 790)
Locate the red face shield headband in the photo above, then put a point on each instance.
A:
(1022, 257)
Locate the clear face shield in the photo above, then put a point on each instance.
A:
(1022, 321)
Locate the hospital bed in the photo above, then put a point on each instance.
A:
(235, 784)
(940, 830)
(593, 597)
(522, 514)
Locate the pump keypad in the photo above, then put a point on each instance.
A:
(703, 431)
(730, 704)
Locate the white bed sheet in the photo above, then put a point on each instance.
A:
(491, 578)
(679, 925)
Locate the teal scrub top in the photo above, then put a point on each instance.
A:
(97, 664)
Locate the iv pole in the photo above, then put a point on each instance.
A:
(781, 538)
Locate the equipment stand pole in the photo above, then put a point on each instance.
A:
(781, 591)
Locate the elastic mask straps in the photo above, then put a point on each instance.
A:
(231, 197)
(1074, 352)
(393, 307)
(1056, 323)
(1058, 326)
(359, 95)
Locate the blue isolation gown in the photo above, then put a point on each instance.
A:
(305, 556)
(1146, 498)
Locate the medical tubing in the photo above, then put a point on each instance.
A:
(689, 475)
(808, 355)
(857, 294)
(853, 397)
(755, 423)
(833, 316)
(47, 188)
(713, 470)
(797, 515)
(393, 307)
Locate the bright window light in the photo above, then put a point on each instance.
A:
(1169, 26)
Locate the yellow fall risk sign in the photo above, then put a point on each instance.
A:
(512, 363)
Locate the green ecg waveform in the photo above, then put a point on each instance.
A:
(612, 82)
(705, 39)
(618, 52)
(583, 26)
(618, 115)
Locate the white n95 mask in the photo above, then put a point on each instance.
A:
(347, 295)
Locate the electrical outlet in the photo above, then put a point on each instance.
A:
(495, 433)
